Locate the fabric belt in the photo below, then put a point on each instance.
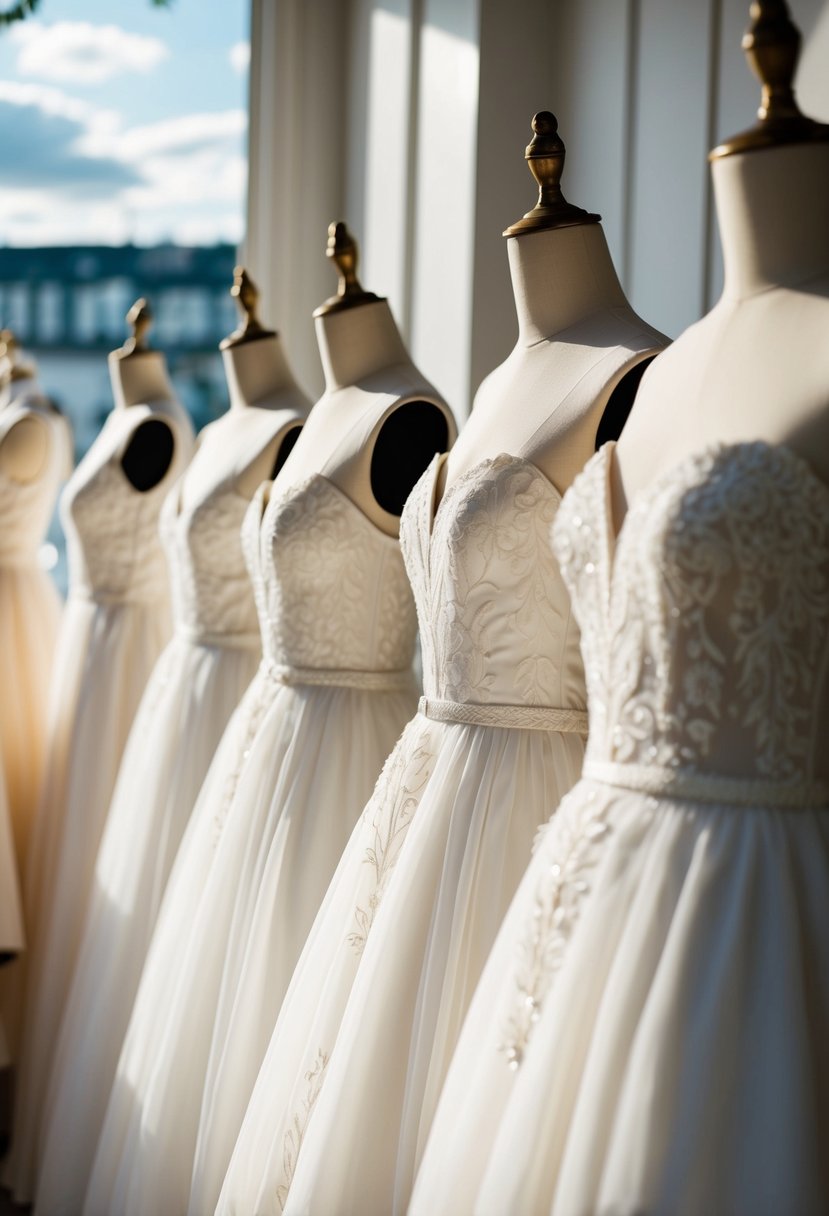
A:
(665, 782)
(514, 717)
(150, 599)
(332, 677)
(228, 641)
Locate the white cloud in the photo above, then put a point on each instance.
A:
(239, 55)
(78, 52)
(77, 174)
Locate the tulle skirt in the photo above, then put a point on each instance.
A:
(661, 988)
(105, 654)
(239, 907)
(12, 938)
(29, 614)
(185, 708)
(359, 1053)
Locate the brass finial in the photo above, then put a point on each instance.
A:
(772, 47)
(12, 365)
(343, 251)
(545, 156)
(246, 294)
(140, 319)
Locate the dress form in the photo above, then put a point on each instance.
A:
(757, 366)
(379, 421)
(267, 408)
(139, 376)
(578, 337)
(25, 447)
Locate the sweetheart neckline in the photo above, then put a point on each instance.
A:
(263, 492)
(435, 511)
(715, 449)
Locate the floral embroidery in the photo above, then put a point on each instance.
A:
(387, 819)
(292, 1140)
(704, 651)
(567, 849)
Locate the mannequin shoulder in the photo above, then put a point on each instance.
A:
(25, 446)
(159, 438)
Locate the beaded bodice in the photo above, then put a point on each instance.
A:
(331, 589)
(705, 624)
(210, 586)
(494, 614)
(111, 528)
(26, 507)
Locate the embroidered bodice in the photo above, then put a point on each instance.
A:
(495, 621)
(26, 507)
(331, 589)
(705, 625)
(111, 528)
(210, 585)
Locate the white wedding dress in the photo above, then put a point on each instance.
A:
(195, 687)
(115, 623)
(355, 1066)
(334, 690)
(29, 615)
(649, 1035)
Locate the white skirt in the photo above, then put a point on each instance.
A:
(104, 656)
(29, 615)
(188, 701)
(313, 754)
(360, 1050)
(662, 984)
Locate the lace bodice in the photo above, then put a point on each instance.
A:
(26, 508)
(210, 585)
(494, 614)
(705, 626)
(331, 589)
(111, 528)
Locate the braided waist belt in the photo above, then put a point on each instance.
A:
(514, 717)
(332, 677)
(227, 641)
(665, 782)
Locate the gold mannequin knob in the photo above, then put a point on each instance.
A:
(246, 294)
(140, 319)
(545, 155)
(772, 47)
(343, 251)
(12, 365)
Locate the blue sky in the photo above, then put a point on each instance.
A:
(121, 121)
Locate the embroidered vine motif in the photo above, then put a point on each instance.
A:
(493, 611)
(294, 1136)
(704, 652)
(567, 853)
(387, 819)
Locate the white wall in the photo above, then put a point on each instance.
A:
(408, 118)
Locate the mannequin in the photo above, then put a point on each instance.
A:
(195, 687)
(379, 421)
(757, 366)
(25, 446)
(581, 348)
(267, 408)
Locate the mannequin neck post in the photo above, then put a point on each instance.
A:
(559, 277)
(139, 378)
(772, 212)
(257, 372)
(358, 341)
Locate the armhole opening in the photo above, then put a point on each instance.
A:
(620, 403)
(285, 448)
(148, 454)
(408, 439)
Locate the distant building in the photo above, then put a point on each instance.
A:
(72, 296)
(67, 305)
